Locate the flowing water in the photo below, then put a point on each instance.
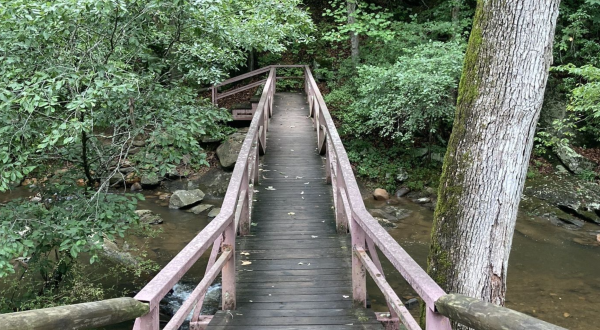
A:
(550, 276)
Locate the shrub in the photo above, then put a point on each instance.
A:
(415, 96)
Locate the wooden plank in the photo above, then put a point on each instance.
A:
(296, 305)
(296, 320)
(299, 275)
(253, 292)
(298, 327)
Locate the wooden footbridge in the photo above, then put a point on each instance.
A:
(293, 243)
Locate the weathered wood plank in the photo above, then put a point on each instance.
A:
(293, 269)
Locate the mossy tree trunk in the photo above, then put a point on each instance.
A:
(499, 102)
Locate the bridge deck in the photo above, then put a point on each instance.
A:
(294, 269)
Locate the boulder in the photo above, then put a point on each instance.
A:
(112, 251)
(420, 152)
(385, 223)
(402, 175)
(117, 179)
(437, 157)
(150, 179)
(136, 187)
(567, 194)
(397, 212)
(431, 191)
(423, 200)
(214, 212)
(201, 208)
(381, 194)
(183, 198)
(402, 191)
(378, 213)
(214, 182)
(575, 162)
(228, 151)
(149, 217)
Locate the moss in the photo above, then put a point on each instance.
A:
(439, 264)
(468, 88)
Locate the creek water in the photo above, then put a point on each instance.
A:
(550, 276)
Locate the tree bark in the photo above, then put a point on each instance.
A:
(499, 102)
(351, 6)
(456, 4)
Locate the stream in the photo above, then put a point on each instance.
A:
(550, 276)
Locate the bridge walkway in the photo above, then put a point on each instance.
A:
(294, 270)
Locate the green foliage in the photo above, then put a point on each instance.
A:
(80, 80)
(77, 74)
(584, 103)
(412, 97)
(577, 33)
(383, 164)
(560, 131)
(290, 84)
(587, 175)
(67, 222)
(408, 35)
(83, 283)
(370, 20)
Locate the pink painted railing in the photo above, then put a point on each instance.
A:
(351, 215)
(367, 234)
(216, 96)
(365, 231)
(234, 218)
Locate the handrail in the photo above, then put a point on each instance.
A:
(79, 316)
(366, 233)
(234, 217)
(215, 88)
(363, 226)
(477, 314)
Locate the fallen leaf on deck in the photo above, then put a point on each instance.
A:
(246, 263)
(302, 193)
(306, 182)
(345, 297)
(314, 236)
(291, 213)
(244, 253)
(270, 188)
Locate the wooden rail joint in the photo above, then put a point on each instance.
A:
(79, 316)
(480, 315)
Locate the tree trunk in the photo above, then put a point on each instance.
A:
(251, 60)
(456, 11)
(499, 102)
(351, 5)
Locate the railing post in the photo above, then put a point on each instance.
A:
(214, 95)
(342, 217)
(435, 321)
(359, 278)
(244, 215)
(149, 321)
(228, 274)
